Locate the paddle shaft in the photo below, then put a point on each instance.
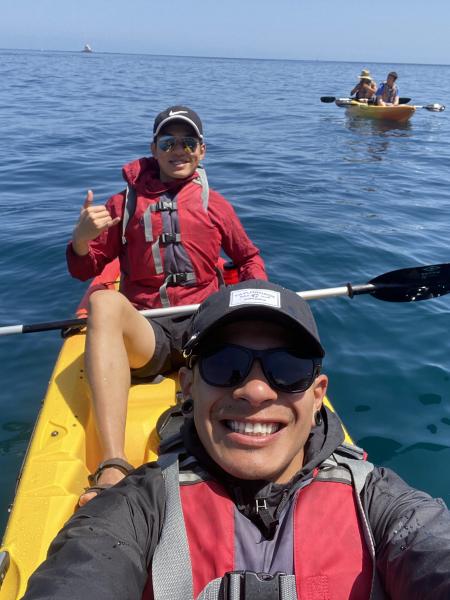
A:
(80, 323)
(403, 285)
(431, 107)
(330, 99)
(348, 290)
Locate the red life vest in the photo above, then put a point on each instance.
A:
(170, 240)
(331, 559)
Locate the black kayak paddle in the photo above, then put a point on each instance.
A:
(403, 285)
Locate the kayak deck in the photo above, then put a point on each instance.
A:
(63, 450)
(399, 113)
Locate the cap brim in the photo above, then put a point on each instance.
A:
(254, 313)
(178, 118)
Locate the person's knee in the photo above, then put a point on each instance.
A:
(105, 305)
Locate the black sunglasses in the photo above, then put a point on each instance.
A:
(229, 365)
(167, 143)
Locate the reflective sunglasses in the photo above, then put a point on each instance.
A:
(167, 143)
(285, 369)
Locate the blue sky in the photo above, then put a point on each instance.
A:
(373, 31)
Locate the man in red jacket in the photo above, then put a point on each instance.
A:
(167, 229)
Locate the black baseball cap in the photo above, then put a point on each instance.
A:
(255, 299)
(178, 113)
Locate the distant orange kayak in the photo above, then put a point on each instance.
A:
(399, 113)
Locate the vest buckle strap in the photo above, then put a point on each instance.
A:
(248, 585)
(179, 278)
(170, 238)
(163, 205)
(174, 279)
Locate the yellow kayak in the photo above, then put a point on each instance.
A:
(399, 113)
(62, 452)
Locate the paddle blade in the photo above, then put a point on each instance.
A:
(435, 107)
(327, 99)
(414, 284)
(402, 100)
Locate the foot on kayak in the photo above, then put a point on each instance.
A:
(108, 473)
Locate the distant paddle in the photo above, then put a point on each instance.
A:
(403, 285)
(436, 107)
(330, 99)
(432, 107)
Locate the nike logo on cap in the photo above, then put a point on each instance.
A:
(177, 112)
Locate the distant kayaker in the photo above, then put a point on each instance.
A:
(387, 93)
(167, 228)
(258, 496)
(365, 89)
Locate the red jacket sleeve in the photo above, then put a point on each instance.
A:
(235, 241)
(102, 250)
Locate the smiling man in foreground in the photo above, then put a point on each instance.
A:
(258, 496)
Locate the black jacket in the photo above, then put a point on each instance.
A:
(105, 549)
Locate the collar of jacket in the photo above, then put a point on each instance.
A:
(143, 175)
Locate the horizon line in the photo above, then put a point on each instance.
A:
(431, 64)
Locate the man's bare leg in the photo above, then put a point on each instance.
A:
(118, 337)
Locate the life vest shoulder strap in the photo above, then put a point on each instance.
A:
(348, 464)
(171, 564)
(203, 181)
(130, 200)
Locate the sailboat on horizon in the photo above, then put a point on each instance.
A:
(87, 48)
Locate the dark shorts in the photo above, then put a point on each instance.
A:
(169, 336)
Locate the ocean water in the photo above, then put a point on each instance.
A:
(328, 199)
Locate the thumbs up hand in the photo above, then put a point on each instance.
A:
(93, 221)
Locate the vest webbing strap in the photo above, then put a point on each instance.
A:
(164, 205)
(359, 470)
(171, 565)
(128, 209)
(148, 228)
(212, 591)
(203, 181)
(157, 258)
(174, 279)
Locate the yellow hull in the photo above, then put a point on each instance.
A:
(400, 113)
(62, 452)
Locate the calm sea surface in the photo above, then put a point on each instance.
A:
(328, 199)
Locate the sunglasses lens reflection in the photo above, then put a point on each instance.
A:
(167, 143)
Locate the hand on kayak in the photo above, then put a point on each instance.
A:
(93, 221)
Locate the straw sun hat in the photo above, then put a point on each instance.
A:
(365, 74)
